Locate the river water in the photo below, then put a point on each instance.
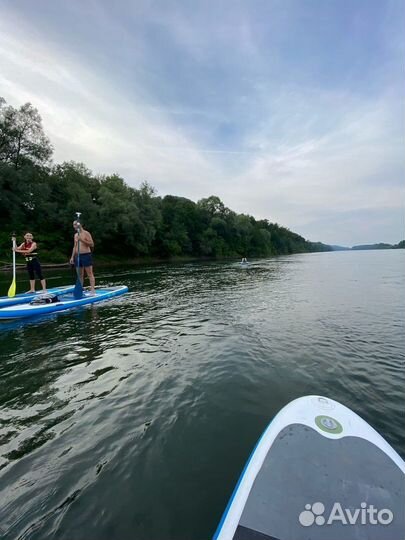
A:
(133, 418)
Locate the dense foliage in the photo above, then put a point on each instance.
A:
(41, 197)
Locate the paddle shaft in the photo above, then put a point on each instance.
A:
(12, 288)
(78, 214)
(14, 247)
(78, 247)
(78, 292)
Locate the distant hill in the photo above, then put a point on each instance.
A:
(319, 246)
(381, 245)
(373, 246)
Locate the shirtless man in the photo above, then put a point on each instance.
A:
(83, 239)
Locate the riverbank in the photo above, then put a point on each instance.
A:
(119, 261)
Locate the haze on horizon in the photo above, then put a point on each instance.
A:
(290, 110)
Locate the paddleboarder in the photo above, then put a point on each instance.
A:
(29, 249)
(83, 239)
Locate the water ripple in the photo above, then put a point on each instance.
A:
(133, 418)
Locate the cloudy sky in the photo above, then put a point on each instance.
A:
(291, 110)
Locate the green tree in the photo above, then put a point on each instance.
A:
(125, 221)
(149, 217)
(22, 137)
(180, 230)
(118, 216)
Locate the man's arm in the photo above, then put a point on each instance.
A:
(87, 239)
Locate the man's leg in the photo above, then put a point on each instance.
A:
(92, 279)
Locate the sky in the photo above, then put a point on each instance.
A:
(289, 110)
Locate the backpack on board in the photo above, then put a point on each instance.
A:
(46, 298)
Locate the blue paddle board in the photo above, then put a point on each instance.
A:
(23, 298)
(65, 301)
(319, 472)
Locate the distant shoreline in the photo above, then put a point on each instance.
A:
(106, 262)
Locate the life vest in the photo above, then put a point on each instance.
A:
(27, 245)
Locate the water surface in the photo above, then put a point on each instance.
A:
(133, 418)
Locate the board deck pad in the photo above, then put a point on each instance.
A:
(293, 475)
(308, 471)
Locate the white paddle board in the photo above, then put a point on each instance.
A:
(319, 472)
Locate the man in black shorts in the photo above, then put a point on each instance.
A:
(30, 251)
(83, 239)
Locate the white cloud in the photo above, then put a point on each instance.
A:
(301, 153)
(89, 119)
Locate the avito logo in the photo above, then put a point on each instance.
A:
(365, 515)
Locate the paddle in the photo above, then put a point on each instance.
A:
(12, 289)
(78, 290)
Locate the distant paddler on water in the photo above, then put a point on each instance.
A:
(82, 257)
(29, 249)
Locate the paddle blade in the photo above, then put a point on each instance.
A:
(78, 290)
(11, 291)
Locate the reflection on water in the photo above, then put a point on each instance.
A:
(133, 418)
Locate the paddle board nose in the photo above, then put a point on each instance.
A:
(318, 472)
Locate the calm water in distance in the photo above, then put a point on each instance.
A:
(134, 418)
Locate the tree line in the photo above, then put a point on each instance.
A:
(126, 222)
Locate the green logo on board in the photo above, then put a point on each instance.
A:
(328, 424)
